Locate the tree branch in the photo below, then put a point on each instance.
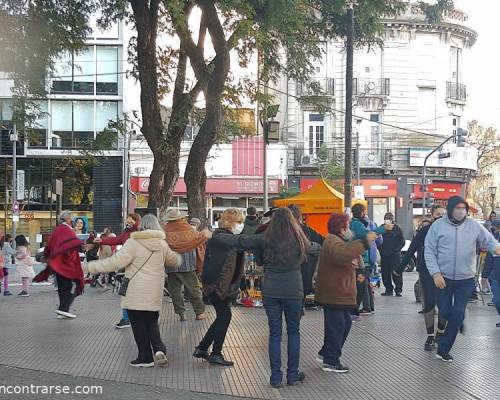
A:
(214, 26)
(180, 22)
(202, 32)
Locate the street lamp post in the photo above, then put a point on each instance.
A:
(493, 193)
(15, 206)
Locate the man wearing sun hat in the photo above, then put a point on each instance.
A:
(182, 238)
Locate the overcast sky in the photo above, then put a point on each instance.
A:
(482, 62)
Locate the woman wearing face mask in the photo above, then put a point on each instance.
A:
(336, 287)
(222, 273)
(426, 281)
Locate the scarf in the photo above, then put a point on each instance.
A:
(63, 258)
(182, 238)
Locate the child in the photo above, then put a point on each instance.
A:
(24, 264)
(7, 253)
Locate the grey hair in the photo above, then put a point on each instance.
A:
(150, 223)
(65, 214)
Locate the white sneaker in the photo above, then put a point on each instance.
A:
(61, 317)
(160, 358)
(319, 359)
(65, 314)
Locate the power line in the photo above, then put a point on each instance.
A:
(322, 106)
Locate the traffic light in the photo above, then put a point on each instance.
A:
(461, 134)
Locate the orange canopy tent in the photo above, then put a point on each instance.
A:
(316, 204)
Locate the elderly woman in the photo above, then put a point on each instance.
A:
(144, 257)
(222, 273)
(62, 254)
(336, 287)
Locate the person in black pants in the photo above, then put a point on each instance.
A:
(65, 292)
(426, 281)
(390, 253)
(223, 270)
(146, 333)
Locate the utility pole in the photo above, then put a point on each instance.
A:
(264, 155)
(15, 206)
(348, 107)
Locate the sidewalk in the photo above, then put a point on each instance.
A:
(384, 351)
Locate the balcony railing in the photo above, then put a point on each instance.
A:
(456, 91)
(317, 87)
(371, 87)
(368, 158)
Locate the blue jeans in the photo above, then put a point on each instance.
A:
(495, 288)
(452, 302)
(292, 308)
(338, 324)
(125, 315)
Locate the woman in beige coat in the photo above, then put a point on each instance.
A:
(144, 257)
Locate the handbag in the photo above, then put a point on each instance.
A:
(125, 281)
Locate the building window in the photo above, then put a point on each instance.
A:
(107, 70)
(456, 64)
(94, 70)
(314, 129)
(75, 123)
(5, 110)
(37, 132)
(426, 108)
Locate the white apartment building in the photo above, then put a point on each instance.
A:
(414, 81)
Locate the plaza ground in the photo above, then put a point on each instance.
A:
(384, 351)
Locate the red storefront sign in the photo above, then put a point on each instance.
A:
(372, 187)
(441, 191)
(215, 186)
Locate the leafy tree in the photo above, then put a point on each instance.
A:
(286, 33)
(487, 143)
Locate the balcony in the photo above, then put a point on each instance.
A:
(367, 87)
(368, 158)
(456, 91)
(317, 87)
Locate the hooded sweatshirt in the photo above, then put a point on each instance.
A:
(450, 246)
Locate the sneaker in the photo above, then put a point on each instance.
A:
(277, 385)
(430, 343)
(24, 293)
(61, 317)
(7, 293)
(398, 294)
(319, 359)
(138, 364)
(339, 368)
(65, 314)
(387, 294)
(355, 318)
(490, 303)
(444, 357)
(300, 378)
(160, 358)
(366, 312)
(122, 324)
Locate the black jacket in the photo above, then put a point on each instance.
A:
(251, 225)
(308, 267)
(394, 241)
(417, 245)
(223, 268)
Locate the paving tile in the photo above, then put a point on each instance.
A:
(384, 351)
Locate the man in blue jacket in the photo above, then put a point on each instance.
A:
(450, 255)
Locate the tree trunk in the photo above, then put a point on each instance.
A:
(195, 176)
